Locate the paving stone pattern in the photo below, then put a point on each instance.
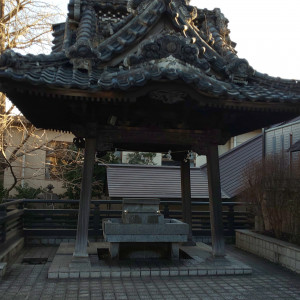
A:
(268, 281)
(200, 263)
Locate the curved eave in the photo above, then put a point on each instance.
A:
(203, 99)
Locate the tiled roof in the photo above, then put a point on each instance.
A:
(66, 77)
(119, 45)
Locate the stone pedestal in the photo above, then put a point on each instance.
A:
(143, 232)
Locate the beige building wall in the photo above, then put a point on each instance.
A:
(232, 143)
(31, 167)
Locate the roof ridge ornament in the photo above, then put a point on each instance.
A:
(82, 53)
(239, 71)
(169, 44)
(74, 8)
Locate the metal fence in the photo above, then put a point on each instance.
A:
(57, 219)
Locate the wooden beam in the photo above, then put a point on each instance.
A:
(215, 201)
(85, 199)
(141, 139)
(186, 196)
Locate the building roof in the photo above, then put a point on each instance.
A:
(194, 48)
(152, 64)
(164, 181)
(233, 163)
(154, 181)
(295, 147)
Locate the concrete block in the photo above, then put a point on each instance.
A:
(298, 266)
(291, 262)
(283, 250)
(229, 271)
(35, 241)
(105, 274)
(45, 241)
(283, 260)
(145, 272)
(53, 275)
(125, 273)
(74, 274)
(84, 274)
(154, 272)
(115, 274)
(135, 273)
(291, 253)
(183, 272)
(193, 272)
(212, 272)
(202, 272)
(63, 275)
(174, 271)
(221, 272)
(164, 272)
(95, 274)
(3, 266)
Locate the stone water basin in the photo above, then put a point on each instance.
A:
(171, 230)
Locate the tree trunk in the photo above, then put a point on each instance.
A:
(2, 27)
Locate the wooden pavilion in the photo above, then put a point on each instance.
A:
(146, 75)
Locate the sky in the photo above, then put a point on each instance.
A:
(267, 32)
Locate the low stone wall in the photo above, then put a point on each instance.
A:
(12, 250)
(283, 253)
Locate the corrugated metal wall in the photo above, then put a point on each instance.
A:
(233, 163)
(278, 139)
(153, 181)
(164, 182)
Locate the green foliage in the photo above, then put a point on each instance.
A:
(141, 158)
(27, 192)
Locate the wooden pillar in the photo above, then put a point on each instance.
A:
(186, 195)
(85, 199)
(215, 201)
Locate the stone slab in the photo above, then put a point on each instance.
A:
(200, 264)
(126, 238)
(141, 201)
(169, 228)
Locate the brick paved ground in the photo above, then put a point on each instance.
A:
(268, 281)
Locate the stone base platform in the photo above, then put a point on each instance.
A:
(196, 261)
